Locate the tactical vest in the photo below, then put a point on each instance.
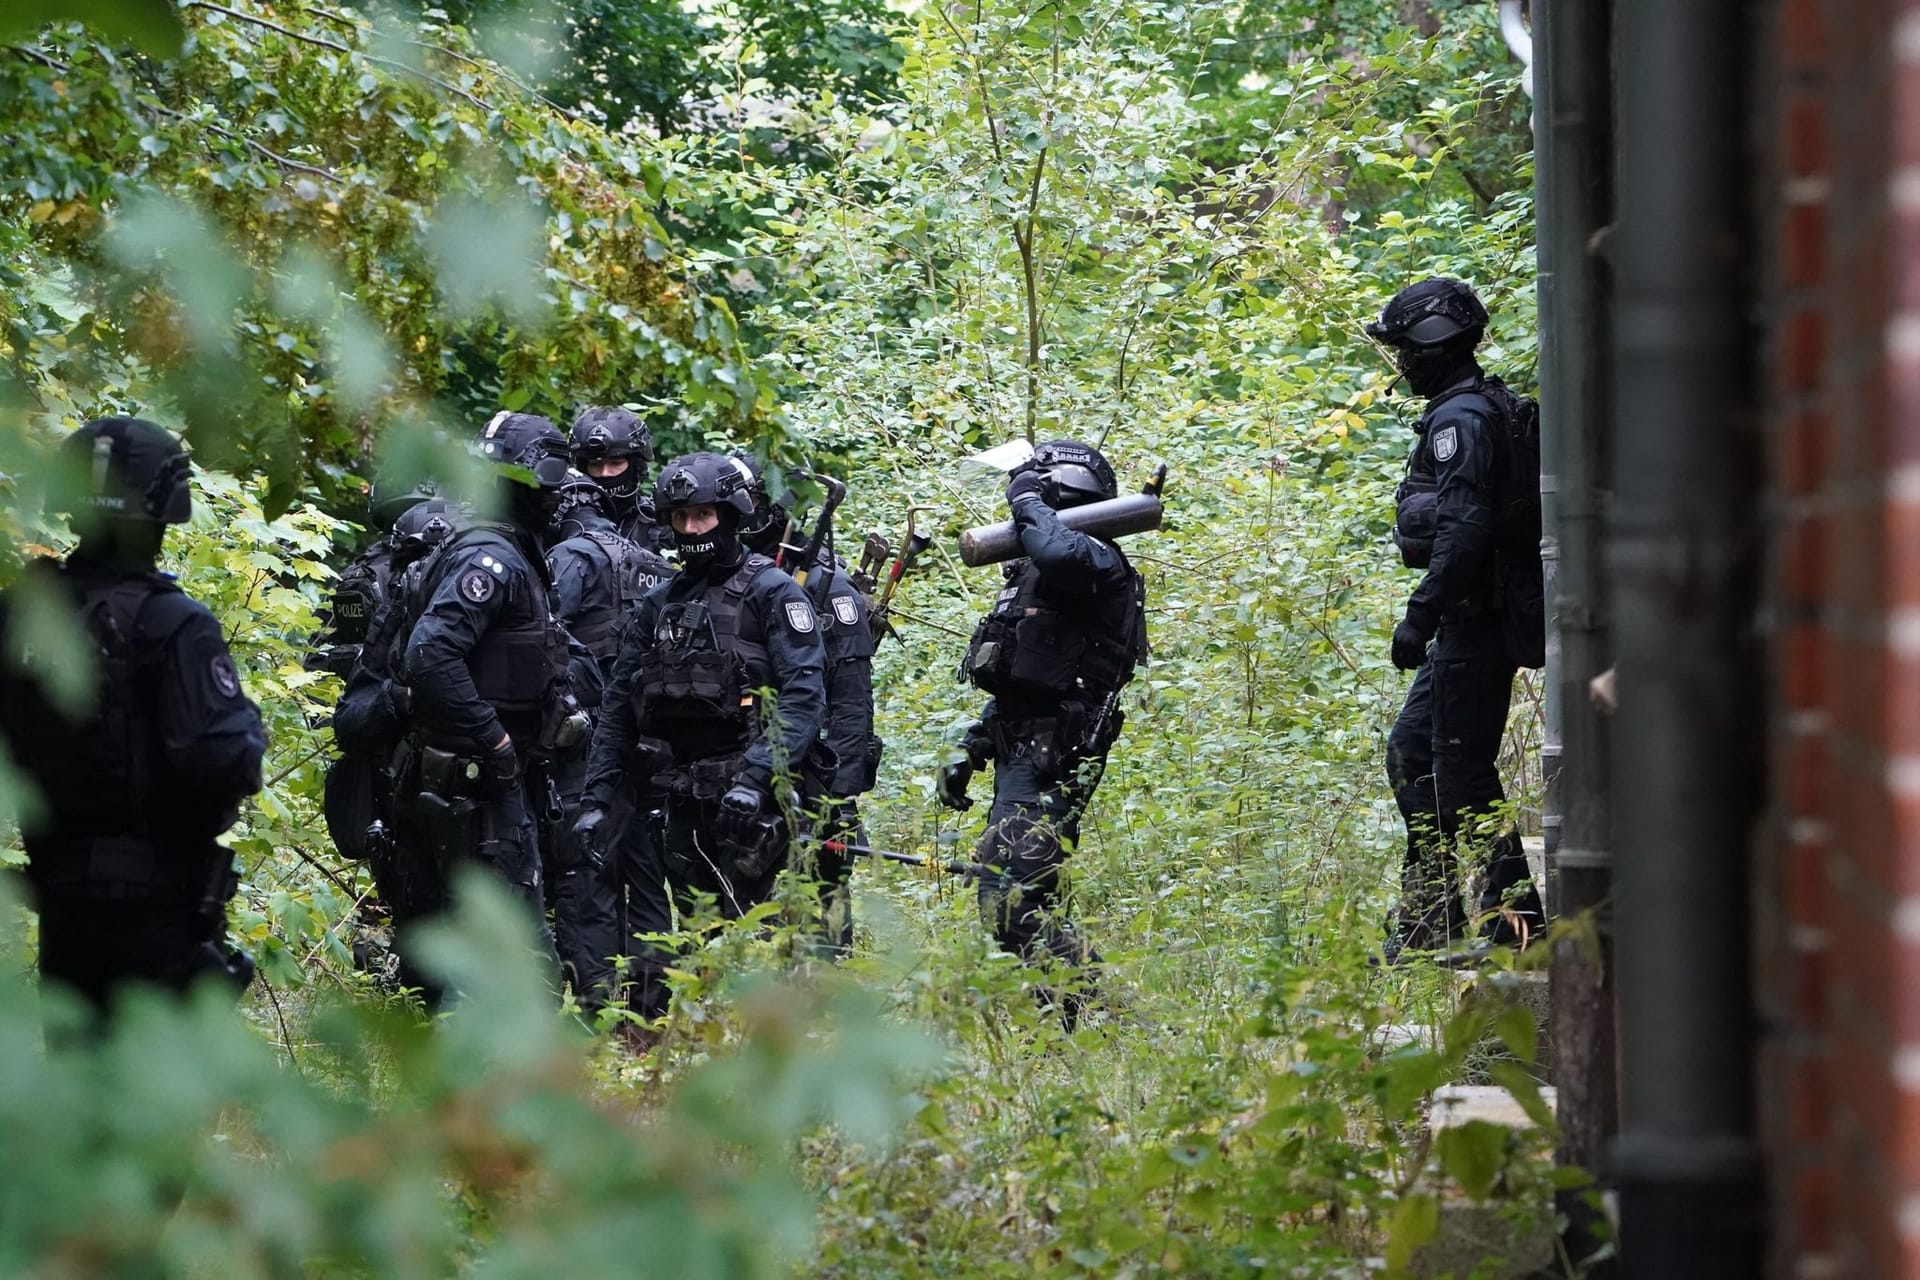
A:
(1033, 644)
(701, 667)
(102, 775)
(1516, 585)
(598, 626)
(359, 592)
(519, 665)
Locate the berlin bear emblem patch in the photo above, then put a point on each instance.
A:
(800, 616)
(1446, 443)
(477, 586)
(843, 609)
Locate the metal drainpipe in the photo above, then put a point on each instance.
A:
(1573, 40)
(1684, 554)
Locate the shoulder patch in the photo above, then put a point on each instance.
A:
(1446, 443)
(477, 585)
(845, 610)
(800, 616)
(225, 678)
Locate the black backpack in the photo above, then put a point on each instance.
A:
(1519, 577)
(1519, 581)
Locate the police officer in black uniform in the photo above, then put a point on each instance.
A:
(361, 587)
(717, 697)
(130, 879)
(846, 764)
(1454, 516)
(486, 667)
(1061, 642)
(367, 814)
(613, 445)
(599, 576)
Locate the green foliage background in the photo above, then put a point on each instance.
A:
(881, 239)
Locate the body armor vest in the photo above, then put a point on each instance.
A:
(359, 593)
(519, 665)
(702, 665)
(634, 572)
(1034, 645)
(102, 775)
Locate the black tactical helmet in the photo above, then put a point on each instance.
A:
(393, 493)
(422, 527)
(604, 432)
(763, 526)
(703, 480)
(1075, 473)
(527, 441)
(1430, 314)
(581, 492)
(122, 469)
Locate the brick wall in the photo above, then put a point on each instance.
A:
(1838, 883)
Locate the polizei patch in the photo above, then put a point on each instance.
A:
(844, 609)
(800, 616)
(477, 585)
(225, 678)
(1446, 443)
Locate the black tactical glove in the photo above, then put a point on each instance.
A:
(954, 778)
(740, 803)
(1027, 485)
(500, 768)
(749, 839)
(1409, 646)
(589, 839)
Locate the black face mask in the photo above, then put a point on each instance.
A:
(719, 545)
(1431, 370)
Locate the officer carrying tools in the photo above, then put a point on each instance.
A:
(1061, 642)
(613, 445)
(598, 578)
(137, 784)
(717, 698)
(1469, 515)
(844, 765)
(486, 665)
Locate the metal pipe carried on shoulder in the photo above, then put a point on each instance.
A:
(1116, 517)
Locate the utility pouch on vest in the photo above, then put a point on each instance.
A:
(1416, 518)
(122, 868)
(702, 779)
(448, 774)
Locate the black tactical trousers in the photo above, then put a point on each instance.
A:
(669, 872)
(1442, 760)
(94, 945)
(1034, 810)
(498, 833)
(585, 902)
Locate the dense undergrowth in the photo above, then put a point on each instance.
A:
(1148, 223)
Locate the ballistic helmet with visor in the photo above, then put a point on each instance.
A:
(526, 442)
(122, 469)
(1432, 313)
(703, 480)
(1076, 474)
